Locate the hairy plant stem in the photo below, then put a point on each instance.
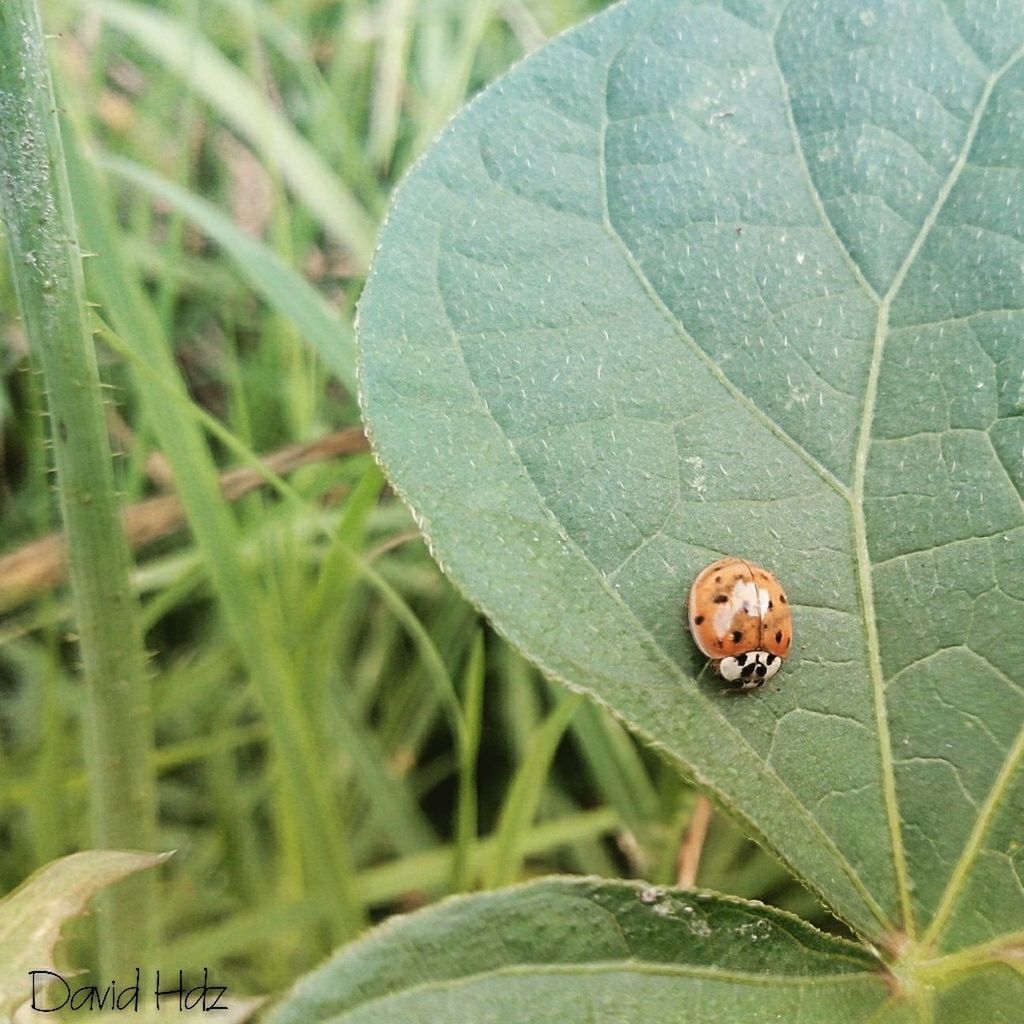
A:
(36, 207)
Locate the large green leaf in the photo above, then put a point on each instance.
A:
(746, 277)
(561, 950)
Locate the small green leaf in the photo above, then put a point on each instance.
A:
(32, 916)
(573, 950)
(745, 278)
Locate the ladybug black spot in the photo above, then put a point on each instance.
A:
(718, 579)
(769, 659)
(741, 659)
(737, 636)
(698, 620)
(721, 598)
(778, 637)
(771, 605)
(782, 598)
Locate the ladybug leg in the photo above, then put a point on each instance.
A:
(732, 689)
(741, 687)
(726, 691)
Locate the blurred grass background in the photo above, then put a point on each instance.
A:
(338, 734)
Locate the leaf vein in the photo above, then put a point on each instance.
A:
(983, 822)
(1007, 311)
(945, 544)
(864, 566)
(812, 189)
(712, 367)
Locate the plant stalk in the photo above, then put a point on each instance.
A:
(36, 207)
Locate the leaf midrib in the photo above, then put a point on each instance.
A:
(825, 474)
(853, 495)
(864, 566)
(959, 875)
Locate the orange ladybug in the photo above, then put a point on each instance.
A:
(741, 619)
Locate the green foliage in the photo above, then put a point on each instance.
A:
(672, 273)
(744, 279)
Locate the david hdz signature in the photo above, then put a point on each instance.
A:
(170, 993)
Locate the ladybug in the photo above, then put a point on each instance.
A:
(741, 619)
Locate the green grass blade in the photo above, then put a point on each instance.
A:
(391, 73)
(618, 770)
(285, 291)
(333, 116)
(234, 96)
(525, 792)
(469, 746)
(430, 871)
(454, 84)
